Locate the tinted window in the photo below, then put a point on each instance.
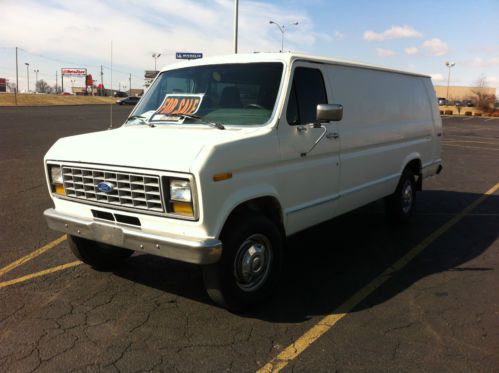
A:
(306, 93)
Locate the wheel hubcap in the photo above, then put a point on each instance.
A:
(407, 197)
(252, 262)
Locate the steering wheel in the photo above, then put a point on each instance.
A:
(254, 106)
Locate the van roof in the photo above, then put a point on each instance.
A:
(287, 57)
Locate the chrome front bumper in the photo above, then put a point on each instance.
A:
(184, 249)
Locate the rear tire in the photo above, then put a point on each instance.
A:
(400, 205)
(249, 269)
(98, 255)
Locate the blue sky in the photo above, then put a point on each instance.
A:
(410, 35)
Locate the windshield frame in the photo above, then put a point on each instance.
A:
(272, 116)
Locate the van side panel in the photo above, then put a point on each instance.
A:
(387, 122)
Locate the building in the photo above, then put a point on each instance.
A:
(462, 93)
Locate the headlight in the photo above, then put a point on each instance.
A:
(180, 190)
(55, 175)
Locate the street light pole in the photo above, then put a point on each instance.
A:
(36, 77)
(282, 29)
(155, 56)
(236, 21)
(27, 73)
(449, 65)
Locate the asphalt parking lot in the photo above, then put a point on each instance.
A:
(358, 293)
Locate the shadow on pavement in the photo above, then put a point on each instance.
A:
(327, 264)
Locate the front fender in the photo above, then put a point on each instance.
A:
(240, 196)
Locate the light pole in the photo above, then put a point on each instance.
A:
(36, 71)
(450, 65)
(282, 29)
(236, 22)
(27, 73)
(155, 56)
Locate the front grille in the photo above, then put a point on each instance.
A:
(130, 190)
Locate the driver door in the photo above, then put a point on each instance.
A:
(310, 178)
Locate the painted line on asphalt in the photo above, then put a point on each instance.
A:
(34, 254)
(470, 141)
(39, 274)
(325, 324)
(471, 147)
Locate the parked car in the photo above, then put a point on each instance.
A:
(132, 100)
(120, 94)
(468, 103)
(223, 181)
(442, 101)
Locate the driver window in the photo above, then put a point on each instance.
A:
(307, 91)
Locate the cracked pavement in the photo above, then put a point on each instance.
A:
(440, 313)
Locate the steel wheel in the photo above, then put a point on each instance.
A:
(252, 262)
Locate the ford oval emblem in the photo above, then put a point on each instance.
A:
(105, 187)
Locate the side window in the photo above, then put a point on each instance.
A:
(307, 91)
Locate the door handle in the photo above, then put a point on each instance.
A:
(332, 135)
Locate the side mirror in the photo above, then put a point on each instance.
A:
(329, 112)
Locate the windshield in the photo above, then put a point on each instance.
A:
(241, 94)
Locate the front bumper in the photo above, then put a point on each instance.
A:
(184, 249)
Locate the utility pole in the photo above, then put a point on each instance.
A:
(56, 82)
(130, 84)
(17, 79)
(101, 81)
(236, 16)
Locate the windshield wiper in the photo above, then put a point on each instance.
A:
(220, 126)
(141, 118)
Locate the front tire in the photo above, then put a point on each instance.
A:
(98, 255)
(400, 205)
(248, 272)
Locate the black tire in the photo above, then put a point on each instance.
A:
(98, 255)
(400, 205)
(239, 284)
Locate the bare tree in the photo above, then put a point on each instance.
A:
(56, 89)
(43, 87)
(11, 86)
(485, 100)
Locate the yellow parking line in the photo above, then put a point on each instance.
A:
(471, 147)
(38, 274)
(471, 141)
(306, 340)
(34, 254)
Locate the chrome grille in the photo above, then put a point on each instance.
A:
(138, 191)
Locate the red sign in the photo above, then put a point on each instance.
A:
(3, 81)
(74, 72)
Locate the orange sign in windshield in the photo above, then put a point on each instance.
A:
(175, 105)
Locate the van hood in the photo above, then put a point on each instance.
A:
(168, 148)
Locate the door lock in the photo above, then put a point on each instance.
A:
(332, 135)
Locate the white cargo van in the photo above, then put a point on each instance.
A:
(223, 158)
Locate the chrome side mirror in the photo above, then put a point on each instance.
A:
(329, 112)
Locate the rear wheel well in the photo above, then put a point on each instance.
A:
(267, 206)
(416, 168)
